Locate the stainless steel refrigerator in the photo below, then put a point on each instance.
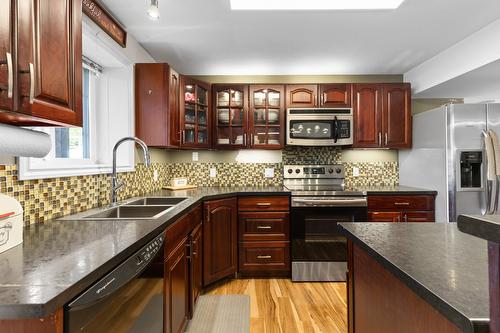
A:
(448, 155)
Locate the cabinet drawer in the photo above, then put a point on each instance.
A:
(402, 202)
(264, 256)
(269, 226)
(264, 203)
(418, 216)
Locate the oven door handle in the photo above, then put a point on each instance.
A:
(357, 202)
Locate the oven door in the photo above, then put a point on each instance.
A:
(319, 250)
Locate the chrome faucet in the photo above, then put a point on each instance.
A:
(115, 184)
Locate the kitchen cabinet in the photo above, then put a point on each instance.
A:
(230, 116)
(335, 95)
(41, 63)
(264, 236)
(401, 208)
(301, 95)
(266, 117)
(382, 115)
(157, 89)
(196, 266)
(181, 270)
(219, 239)
(195, 113)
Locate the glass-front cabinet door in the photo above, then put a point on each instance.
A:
(195, 113)
(230, 116)
(267, 116)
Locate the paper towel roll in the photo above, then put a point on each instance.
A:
(17, 141)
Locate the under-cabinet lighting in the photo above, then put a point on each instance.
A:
(314, 4)
(153, 10)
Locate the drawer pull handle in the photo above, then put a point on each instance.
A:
(264, 257)
(263, 204)
(266, 227)
(402, 203)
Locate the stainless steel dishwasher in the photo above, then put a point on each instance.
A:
(128, 299)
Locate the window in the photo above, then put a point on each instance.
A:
(107, 116)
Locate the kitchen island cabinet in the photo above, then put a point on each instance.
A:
(401, 208)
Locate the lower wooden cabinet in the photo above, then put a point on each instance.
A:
(264, 258)
(220, 240)
(401, 208)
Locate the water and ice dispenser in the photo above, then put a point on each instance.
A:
(471, 169)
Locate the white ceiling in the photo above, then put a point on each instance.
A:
(206, 37)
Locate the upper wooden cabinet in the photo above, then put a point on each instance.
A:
(220, 239)
(230, 116)
(382, 115)
(157, 105)
(301, 95)
(266, 117)
(41, 62)
(335, 95)
(195, 113)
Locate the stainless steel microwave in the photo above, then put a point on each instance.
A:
(319, 127)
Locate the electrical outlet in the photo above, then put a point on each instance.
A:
(355, 171)
(155, 175)
(269, 173)
(213, 172)
(195, 156)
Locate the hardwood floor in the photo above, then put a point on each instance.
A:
(278, 305)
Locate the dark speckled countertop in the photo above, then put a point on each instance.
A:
(483, 226)
(60, 259)
(394, 190)
(446, 267)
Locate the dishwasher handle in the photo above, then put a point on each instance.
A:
(120, 276)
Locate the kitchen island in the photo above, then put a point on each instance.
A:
(411, 277)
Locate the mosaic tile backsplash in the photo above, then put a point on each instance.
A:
(46, 199)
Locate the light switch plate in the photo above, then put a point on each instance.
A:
(269, 173)
(195, 156)
(355, 171)
(213, 172)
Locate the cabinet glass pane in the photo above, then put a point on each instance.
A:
(274, 116)
(259, 136)
(223, 98)
(201, 95)
(223, 135)
(259, 116)
(236, 98)
(236, 117)
(223, 116)
(189, 113)
(237, 136)
(273, 135)
(202, 116)
(189, 134)
(189, 95)
(259, 98)
(273, 99)
(202, 135)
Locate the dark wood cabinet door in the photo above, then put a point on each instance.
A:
(384, 216)
(409, 216)
(8, 62)
(195, 113)
(219, 239)
(50, 60)
(367, 105)
(396, 115)
(176, 289)
(266, 116)
(301, 95)
(196, 266)
(335, 95)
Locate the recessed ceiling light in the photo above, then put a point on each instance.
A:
(314, 4)
(153, 10)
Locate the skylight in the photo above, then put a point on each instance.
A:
(314, 4)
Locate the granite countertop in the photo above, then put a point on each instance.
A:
(447, 268)
(483, 226)
(60, 259)
(394, 190)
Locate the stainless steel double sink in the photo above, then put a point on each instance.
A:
(143, 208)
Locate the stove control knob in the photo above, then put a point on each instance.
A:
(338, 170)
(290, 170)
(330, 170)
(297, 170)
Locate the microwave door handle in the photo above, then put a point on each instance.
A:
(335, 130)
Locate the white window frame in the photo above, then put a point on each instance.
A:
(30, 168)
